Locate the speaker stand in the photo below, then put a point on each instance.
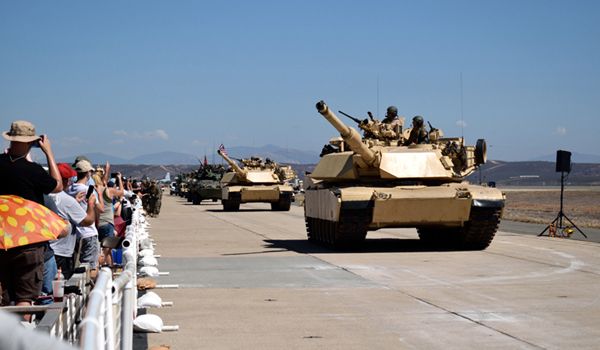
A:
(558, 221)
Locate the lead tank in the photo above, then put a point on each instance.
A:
(364, 184)
(257, 181)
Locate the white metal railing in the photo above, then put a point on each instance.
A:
(111, 309)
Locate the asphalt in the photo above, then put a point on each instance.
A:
(250, 279)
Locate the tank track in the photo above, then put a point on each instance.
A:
(349, 232)
(476, 234)
(284, 203)
(233, 203)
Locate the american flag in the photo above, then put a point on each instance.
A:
(222, 149)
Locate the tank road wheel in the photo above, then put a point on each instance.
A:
(349, 232)
(284, 203)
(476, 234)
(233, 203)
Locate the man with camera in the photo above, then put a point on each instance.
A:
(22, 267)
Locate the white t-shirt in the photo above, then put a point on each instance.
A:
(82, 231)
(67, 208)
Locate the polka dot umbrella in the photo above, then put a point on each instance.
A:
(24, 222)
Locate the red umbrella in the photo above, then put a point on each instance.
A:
(24, 222)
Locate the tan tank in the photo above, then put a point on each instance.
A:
(256, 181)
(379, 182)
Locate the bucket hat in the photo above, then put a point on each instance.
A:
(21, 131)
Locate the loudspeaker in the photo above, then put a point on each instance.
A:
(563, 161)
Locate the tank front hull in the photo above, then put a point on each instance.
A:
(210, 193)
(441, 208)
(280, 196)
(256, 193)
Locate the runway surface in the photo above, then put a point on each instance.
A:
(250, 280)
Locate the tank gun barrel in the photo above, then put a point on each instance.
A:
(350, 135)
(234, 166)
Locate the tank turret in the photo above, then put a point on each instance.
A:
(389, 178)
(385, 154)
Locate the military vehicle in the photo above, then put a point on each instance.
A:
(257, 181)
(379, 181)
(206, 183)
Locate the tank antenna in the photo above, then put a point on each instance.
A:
(378, 94)
(462, 117)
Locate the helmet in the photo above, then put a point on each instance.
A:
(418, 120)
(392, 110)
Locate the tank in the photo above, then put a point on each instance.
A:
(206, 183)
(256, 181)
(378, 181)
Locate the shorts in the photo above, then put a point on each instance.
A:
(89, 252)
(21, 273)
(106, 230)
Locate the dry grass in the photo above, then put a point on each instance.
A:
(582, 207)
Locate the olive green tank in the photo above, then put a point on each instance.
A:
(206, 183)
(378, 181)
(256, 181)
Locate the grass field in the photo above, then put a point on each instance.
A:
(581, 205)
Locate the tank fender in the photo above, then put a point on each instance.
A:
(488, 203)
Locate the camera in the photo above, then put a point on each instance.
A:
(36, 143)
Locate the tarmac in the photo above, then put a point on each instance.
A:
(251, 280)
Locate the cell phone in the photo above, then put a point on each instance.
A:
(89, 192)
(113, 175)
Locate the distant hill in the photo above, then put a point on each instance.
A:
(575, 158)
(536, 173)
(278, 154)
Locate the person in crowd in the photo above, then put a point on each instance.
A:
(22, 267)
(90, 247)
(106, 225)
(69, 209)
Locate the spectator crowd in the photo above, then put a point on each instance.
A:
(95, 204)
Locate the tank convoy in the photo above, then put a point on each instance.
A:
(256, 181)
(381, 180)
(205, 183)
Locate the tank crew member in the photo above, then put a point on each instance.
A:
(391, 118)
(418, 134)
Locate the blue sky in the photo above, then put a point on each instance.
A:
(135, 77)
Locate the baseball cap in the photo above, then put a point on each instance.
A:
(65, 170)
(83, 166)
